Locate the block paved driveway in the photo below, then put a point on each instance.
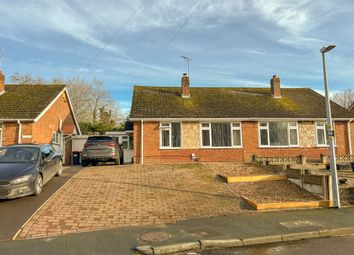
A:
(112, 196)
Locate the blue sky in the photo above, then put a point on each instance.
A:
(231, 42)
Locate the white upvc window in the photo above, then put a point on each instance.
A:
(56, 138)
(221, 135)
(321, 134)
(125, 142)
(170, 135)
(278, 134)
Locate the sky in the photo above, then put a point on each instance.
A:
(140, 42)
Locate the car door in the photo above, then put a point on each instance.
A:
(47, 163)
(56, 159)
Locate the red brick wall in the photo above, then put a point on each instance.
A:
(49, 122)
(153, 153)
(9, 133)
(250, 144)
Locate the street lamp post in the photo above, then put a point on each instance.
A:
(330, 131)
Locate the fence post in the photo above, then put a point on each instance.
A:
(330, 193)
(325, 187)
(303, 159)
(324, 159)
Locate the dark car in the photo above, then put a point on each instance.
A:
(101, 149)
(24, 169)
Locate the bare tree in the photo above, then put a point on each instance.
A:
(26, 78)
(87, 97)
(344, 98)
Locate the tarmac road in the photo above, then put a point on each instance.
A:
(323, 246)
(14, 213)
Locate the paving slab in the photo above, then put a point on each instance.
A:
(262, 225)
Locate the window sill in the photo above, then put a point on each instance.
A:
(278, 147)
(216, 148)
(170, 148)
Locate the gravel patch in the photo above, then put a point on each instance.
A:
(238, 169)
(272, 191)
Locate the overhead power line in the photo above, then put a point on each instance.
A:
(99, 52)
(169, 41)
(341, 69)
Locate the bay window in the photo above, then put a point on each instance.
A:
(170, 135)
(278, 134)
(221, 134)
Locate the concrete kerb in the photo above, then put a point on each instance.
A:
(178, 247)
(222, 243)
(240, 242)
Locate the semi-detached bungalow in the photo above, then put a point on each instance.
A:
(181, 124)
(37, 114)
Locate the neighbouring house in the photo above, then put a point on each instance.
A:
(182, 124)
(37, 114)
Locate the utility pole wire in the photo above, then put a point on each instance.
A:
(339, 73)
(113, 37)
(0, 59)
(169, 41)
(187, 59)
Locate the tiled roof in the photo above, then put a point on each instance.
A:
(166, 102)
(27, 101)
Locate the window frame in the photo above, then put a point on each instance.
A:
(289, 127)
(168, 127)
(232, 128)
(324, 127)
(125, 138)
(56, 136)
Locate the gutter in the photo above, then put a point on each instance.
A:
(237, 119)
(349, 137)
(142, 142)
(16, 120)
(19, 131)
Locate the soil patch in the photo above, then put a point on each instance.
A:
(273, 191)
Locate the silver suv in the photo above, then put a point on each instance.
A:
(101, 149)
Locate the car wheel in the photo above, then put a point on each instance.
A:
(94, 163)
(38, 185)
(122, 160)
(60, 169)
(84, 163)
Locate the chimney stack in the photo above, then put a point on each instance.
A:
(2, 83)
(185, 86)
(275, 86)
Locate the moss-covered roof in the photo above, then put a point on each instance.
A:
(27, 101)
(166, 102)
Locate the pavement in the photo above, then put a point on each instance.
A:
(242, 229)
(14, 213)
(323, 246)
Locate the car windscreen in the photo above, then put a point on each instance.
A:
(18, 154)
(99, 139)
